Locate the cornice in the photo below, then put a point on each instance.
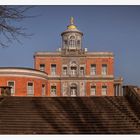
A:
(22, 72)
(82, 78)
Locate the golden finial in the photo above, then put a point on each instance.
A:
(71, 26)
(71, 20)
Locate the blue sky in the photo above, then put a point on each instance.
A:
(106, 28)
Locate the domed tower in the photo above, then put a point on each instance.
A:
(71, 38)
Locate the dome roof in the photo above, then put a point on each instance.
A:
(71, 27)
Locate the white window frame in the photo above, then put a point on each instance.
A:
(72, 42)
(93, 92)
(73, 93)
(42, 68)
(65, 72)
(73, 70)
(104, 90)
(43, 90)
(93, 69)
(104, 69)
(82, 72)
(11, 88)
(32, 90)
(53, 72)
(52, 93)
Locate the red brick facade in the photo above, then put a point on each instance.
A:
(20, 78)
(99, 80)
(70, 71)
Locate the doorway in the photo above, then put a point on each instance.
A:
(73, 90)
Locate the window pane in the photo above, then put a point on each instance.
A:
(104, 69)
(53, 69)
(93, 69)
(73, 71)
(43, 90)
(64, 70)
(73, 91)
(53, 90)
(42, 67)
(11, 84)
(93, 90)
(104, 90)
(30, 91)
(81, 70)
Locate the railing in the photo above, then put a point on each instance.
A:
(132, 95)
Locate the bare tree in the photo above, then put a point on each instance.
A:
(10, 31)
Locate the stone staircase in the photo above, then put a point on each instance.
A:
(68, 115)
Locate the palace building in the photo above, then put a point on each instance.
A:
(70, 71)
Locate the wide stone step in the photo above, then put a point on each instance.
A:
(68, 132)
(67, 118)
(65, 127)
(60, 115)
(63, 109)
(67, 124)
(53, 115)
(90, 113)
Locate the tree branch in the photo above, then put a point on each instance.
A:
(8, 15)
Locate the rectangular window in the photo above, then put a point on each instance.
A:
(43, 90)
(64, 70)
(42, 67)
(30, 89)
(93, 69)
(53, 69)
(104, 90)
(104, 69)
(53, 90)
(93, 90)
(81, 71)
(12, 85)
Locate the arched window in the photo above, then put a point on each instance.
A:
(73, 89)
(73, 67)
(81, 71)
(72, 41)
(53, 90)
